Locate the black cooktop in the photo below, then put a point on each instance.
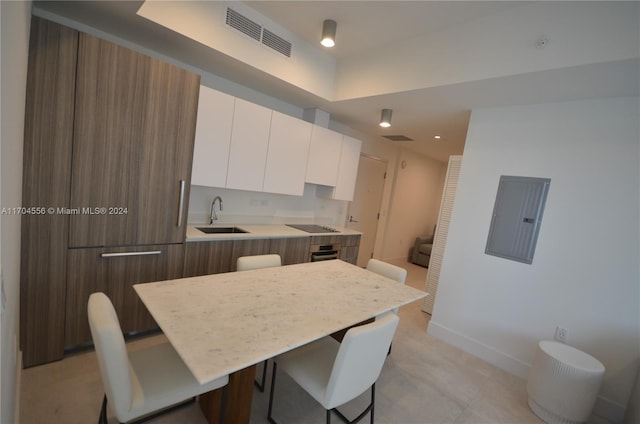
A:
(312, 228)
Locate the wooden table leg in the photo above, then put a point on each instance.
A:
(339, 335)
(237, 404)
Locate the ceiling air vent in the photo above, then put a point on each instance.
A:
(257, 32)
(398, 137)
(243, 24)
(278, 44)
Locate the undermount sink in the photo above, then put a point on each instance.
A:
(221, 230)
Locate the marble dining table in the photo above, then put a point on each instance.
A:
(225, 324)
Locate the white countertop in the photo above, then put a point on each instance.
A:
(223, 323)
(255, 231)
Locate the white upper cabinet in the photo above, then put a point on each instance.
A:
(324, 156)
(213, 137)
(348, 171)
(249, 144)
(244, 146)
(287, 155)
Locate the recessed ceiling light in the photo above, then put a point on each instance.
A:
(437, 137)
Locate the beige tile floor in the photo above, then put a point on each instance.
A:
(424, 381)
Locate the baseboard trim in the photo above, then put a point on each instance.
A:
(605, 408)
(510, 364)
(609, 410)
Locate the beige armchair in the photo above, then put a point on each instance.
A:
(421, 251)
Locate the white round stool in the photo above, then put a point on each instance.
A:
(563, 383)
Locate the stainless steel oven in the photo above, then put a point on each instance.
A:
(324, 252)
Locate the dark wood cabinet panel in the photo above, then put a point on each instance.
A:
(207, 257)
(352, 240)
(248, 248)
(349, 245)
(114, 271)
(133, 146)
(46, 173)
(326, 239)
(213, 257)
(349, 254)
(291, 250)
(350, 248)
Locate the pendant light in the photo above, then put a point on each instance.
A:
(329, 33)
(385, 118)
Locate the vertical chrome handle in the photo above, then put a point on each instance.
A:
(181, 202)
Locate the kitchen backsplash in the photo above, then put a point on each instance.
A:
(248, 207)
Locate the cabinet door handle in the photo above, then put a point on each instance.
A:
(181, 202)
(143, 253)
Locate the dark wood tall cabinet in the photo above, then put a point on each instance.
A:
(48, 140)
(108, 143)
(132, 148)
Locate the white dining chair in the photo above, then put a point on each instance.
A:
(245, 263)
(142, 382)
(335, 373)
(388, 270)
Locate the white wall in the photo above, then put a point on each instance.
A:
(585, 273)
(632, 415)
(16, 18)
(415, 202)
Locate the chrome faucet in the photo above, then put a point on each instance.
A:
(214, 217)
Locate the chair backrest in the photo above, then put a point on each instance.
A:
(360, 359)
(111, 352)
(390, 271)
(245, 263)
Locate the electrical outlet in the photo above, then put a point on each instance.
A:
(562, 334)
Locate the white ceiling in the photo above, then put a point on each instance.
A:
(372, 25)
(370, 32)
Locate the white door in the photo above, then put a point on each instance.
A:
(365, 208)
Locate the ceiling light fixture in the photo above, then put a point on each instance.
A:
(437, 137)
(385, 118)
(329, 33)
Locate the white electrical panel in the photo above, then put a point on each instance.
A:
(517, 216)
